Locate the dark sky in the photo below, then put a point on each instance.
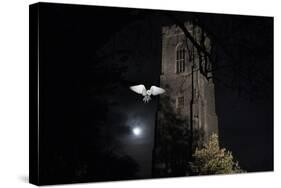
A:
(91, 55)
(244, 105)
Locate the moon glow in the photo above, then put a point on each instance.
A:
(137, 131)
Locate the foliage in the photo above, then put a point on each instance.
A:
(213, 160)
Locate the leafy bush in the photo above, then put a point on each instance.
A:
(213, 160)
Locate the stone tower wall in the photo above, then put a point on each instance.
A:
(199, 101)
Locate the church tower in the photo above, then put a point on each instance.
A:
(186, 116)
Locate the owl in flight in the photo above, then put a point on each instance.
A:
(140, 89)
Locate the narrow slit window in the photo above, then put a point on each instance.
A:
(180, 59)
(180, 102)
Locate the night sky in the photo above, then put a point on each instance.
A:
(89, 56)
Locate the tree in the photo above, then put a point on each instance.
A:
(213, 160)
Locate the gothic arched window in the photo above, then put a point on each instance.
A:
(180, 58)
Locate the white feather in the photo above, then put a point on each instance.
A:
(140, 89)
(156, 90)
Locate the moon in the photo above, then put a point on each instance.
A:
(137, 131)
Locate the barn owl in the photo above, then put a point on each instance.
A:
(140, 89)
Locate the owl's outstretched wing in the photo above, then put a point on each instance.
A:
(140, 89)
(156, 90)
